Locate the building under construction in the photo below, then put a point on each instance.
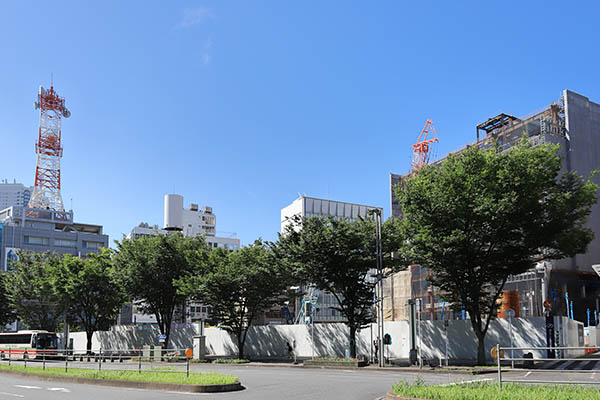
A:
(573, 122)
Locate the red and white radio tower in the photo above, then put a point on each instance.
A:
(46, 192)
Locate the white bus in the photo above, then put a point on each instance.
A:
(28, 344)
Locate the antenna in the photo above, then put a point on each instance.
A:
(46, 192)
(51, 79)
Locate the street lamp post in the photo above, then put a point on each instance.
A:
(380, 330)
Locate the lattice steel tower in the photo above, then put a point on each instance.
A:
(46, 192)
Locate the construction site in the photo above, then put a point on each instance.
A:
(572, 122)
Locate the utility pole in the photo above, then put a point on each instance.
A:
(380, 330)
(66, 329)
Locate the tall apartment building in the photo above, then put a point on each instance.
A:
(305, 206)
(14, 194)
(573, 122)
(46, 230)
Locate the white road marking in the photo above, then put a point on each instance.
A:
(527, 374)
(27, 387)
(11, 394)
(62, 390)
(593, 375)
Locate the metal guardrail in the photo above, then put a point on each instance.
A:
(500, 351)
(127, 359)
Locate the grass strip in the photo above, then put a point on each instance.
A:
(208, 378)
(230, 361)
(484, 391)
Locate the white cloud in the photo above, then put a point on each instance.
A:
(195, 16)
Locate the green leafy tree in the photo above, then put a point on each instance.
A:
(29, 290)
(483, 215)
(339, 256)
(147, 268)
(238, 286)
(6, 311)
(89, 290)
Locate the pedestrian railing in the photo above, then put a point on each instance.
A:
(528, 363)
(145, 359)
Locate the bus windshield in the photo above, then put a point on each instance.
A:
(46, 341)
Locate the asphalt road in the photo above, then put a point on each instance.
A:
(260, 383)
(272, 382)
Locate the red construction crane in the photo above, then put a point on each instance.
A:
(421, 150)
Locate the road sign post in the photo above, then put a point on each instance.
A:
(510, 313)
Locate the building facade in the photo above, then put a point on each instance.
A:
(14, 194)
(46, 231)
(192, 221)
(572, 122)
(307, 207)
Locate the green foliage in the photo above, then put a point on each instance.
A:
(230, 361)
(30, 293)
(88, 288)
(238, 286)
(481, 216)
(209, 378)
(477, 391)
(337, 255)
(337, 359)
(148, 266)
(6, 311)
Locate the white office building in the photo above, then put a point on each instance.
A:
(308, 207)
(192, 221)
(14, 194)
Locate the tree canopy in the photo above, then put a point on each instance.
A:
(30, 293)
(483, 215)
(89, 290)
(6, 312)
(339, 256)
(238, 286)
(148, 266)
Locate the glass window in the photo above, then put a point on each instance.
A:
(92, 245)
(65, 243)
(36, 240)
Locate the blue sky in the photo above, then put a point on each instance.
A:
(241, 105)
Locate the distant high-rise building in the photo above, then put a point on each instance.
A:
(14, 194)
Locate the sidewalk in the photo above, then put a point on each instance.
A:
(286, 363)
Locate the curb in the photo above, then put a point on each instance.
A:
(391, 396)
(175, 387)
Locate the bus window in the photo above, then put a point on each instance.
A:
(46, 341)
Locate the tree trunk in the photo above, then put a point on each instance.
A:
(480, 348)
(353, 341)
(241, 343)
(89, 335)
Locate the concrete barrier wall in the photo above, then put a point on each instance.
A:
(332, 339)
